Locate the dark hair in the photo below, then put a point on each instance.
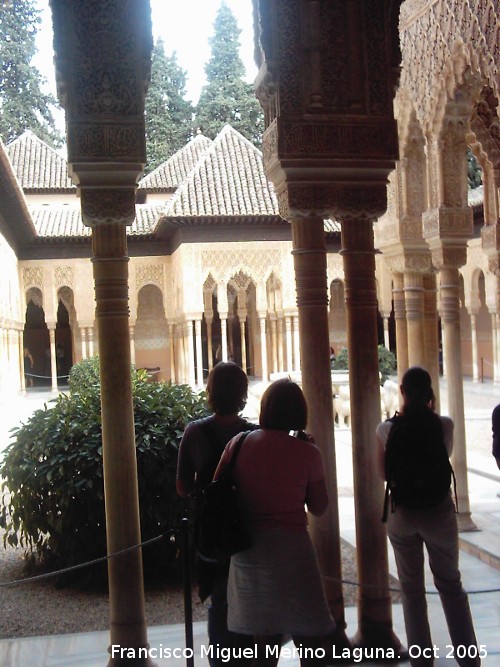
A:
(283, 407)
(227, 388)
(417, 387)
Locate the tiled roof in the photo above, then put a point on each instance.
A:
(36, 165)
(228, 180)
(176, 169)
(66, 221)
(475, 197)
(331, 226)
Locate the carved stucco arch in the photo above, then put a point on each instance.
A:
(440, 40)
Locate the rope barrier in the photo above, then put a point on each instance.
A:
(172, 532)
(65, 570)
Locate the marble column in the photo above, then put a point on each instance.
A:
(190, 353)
(132, 344)
(171, 347)
(242, 317)
(280, 343)
(309, 254)
(374, 602)
(199, 353)
(274, 342)
(83, 338)
(22, 380)
(296, 345)
(53, 357)
(90, 338)
(450, 317)
(401, 324)
(431, 337)
(475, 361)
(223, 335)
(414, 301)
(126, 593)
(495, 334)
(289, 348)
(263, 346)
(210, 353)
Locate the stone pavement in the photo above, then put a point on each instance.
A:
(479, 560)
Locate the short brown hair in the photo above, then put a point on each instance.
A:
(283, 407)
(227, 388)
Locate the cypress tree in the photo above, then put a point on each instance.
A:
(169, 116)
(23, 104)
(227, 98)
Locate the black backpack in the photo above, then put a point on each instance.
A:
(418, 472)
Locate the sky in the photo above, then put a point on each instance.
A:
(184, 25)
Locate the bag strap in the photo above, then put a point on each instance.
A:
(236, 450)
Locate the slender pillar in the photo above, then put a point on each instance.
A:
(53, 364)
(414, 300)
(309, 254)
(127, 615)
(296, 344)
(289, 348)
(450, 314)
(274, 343)
(190, 353)
(242, 316)
(496, 346)
(171, 340)
(386, 333)
(90, 338)
(199, 354)
(22, 380)
(431, 337)
(374, 603)
(280, 344)
(210, 353)
(83, 338)
(132, 344)
(223, 335)
(263, 347)
(400, 322)
(475, 364)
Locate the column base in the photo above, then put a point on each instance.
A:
(378, 641)
(465, 523)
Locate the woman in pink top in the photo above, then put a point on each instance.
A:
(275, 586)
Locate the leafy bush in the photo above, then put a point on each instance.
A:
(386, 362)
(53, 496)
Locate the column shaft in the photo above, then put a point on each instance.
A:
(450, 313)
(414, 300)
(400, 322)
(431, 336)
(374, 603)
(475, 364)
(263, 347)
(309, 254)
(127, 622)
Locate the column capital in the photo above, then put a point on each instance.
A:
(447, 231)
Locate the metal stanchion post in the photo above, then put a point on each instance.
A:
(186, 580)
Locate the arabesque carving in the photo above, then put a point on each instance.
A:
(33, 276)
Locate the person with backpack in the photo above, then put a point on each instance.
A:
(200, 449)
(413, 453)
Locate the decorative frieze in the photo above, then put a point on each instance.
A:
(33, 277)
(64, 275)
(149, 273)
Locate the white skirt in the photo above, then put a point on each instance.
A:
(275, 587)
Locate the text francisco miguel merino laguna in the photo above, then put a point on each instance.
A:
(225, 654)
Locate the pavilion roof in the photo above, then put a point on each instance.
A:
(228, 180)
(169, 175)
(37, 166)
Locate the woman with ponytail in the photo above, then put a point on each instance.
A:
(413, 523)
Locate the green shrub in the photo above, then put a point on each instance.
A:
(386, 362)
(53, 497)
